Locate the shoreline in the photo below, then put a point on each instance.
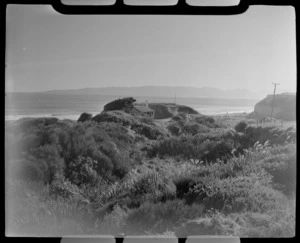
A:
(74, 117)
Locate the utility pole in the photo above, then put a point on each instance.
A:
(275, 84)
(175, 99)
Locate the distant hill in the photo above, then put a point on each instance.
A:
(165, 91)
(284, 107)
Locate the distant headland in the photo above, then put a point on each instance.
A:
(165, 91)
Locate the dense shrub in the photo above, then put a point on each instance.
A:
(141, 125)
(183, 185)
(190, 124)
(174, 129)
(58, 145)
(98, 176)
(82, 170)
(276, 223)
(49, 155)
(282, 167)
(148, 131)
(194, 128)
(121, 168)
(206, 120)
(263, 134)
(120, 104)
(241, 126)
(220, 150)
(213, 223)
(61, 187)
(50, 121)
(96, 143)
(243, 193)
(268, 225)
(190, 147)
(169, 146)
(179, 117)
(154, 184)
(116, 117)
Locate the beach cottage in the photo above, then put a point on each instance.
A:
(142, 110)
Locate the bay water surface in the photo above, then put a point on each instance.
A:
(70, 106)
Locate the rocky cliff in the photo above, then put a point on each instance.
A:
(124, 104)
(161, 110)
(284, 107)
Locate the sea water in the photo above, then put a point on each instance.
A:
(70, 106)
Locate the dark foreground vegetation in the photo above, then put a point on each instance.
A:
(119, 174)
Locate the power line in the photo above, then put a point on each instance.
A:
(175, 99)
(275, 84)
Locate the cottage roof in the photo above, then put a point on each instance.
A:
(143, 108)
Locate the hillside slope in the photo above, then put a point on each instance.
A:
(161, 110)
(167, 110)
(284, 107)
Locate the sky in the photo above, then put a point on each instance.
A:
(46, 50)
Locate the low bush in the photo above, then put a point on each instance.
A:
(34, 211)
(282, 167)
(179, 117)
(206, 121)
(116, 117)
(271, 224)
(61, 187)
(238, 194)
(83, 170)
(194, 128)
(150, 132)
(174, 129)
(50, 155)
(241, 126)
(183, 185)
(210, 224)
(275, 223)
(113, 223)
(190, 147)
(157, 218)
(154, 184)
(90, 176)
(274, 135)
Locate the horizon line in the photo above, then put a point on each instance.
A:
(141, 86)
